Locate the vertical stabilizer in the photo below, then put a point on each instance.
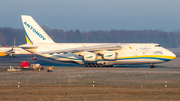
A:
(33, 32)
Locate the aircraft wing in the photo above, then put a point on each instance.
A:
(28, 47)
(11, 50)
(107, 47)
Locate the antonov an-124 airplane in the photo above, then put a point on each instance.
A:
(92, 54)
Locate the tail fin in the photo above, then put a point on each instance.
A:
(33, 32)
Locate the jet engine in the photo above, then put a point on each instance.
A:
(90, 57)
(110, 56)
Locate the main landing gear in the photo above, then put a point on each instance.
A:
(151, 66)
(96, 65)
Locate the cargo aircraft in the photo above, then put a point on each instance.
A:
(92, 54)
(12, 51)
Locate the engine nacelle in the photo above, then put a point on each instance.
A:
(90, 57)
(110, 56)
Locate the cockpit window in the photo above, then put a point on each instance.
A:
(157, 45)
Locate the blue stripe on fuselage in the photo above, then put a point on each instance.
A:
(156, 58)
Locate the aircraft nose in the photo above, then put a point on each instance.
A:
(172, 55)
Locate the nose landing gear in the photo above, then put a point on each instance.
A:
(151, 66)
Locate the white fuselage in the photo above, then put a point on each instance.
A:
(130, 53)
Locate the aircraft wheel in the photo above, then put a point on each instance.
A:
(151, 66)
(91, 65)
(95, 65)
(87, 65)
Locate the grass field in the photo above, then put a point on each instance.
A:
(75, 83)
(88, 93)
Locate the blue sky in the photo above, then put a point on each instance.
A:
(87, 15)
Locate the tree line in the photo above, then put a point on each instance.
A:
(166, 39)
